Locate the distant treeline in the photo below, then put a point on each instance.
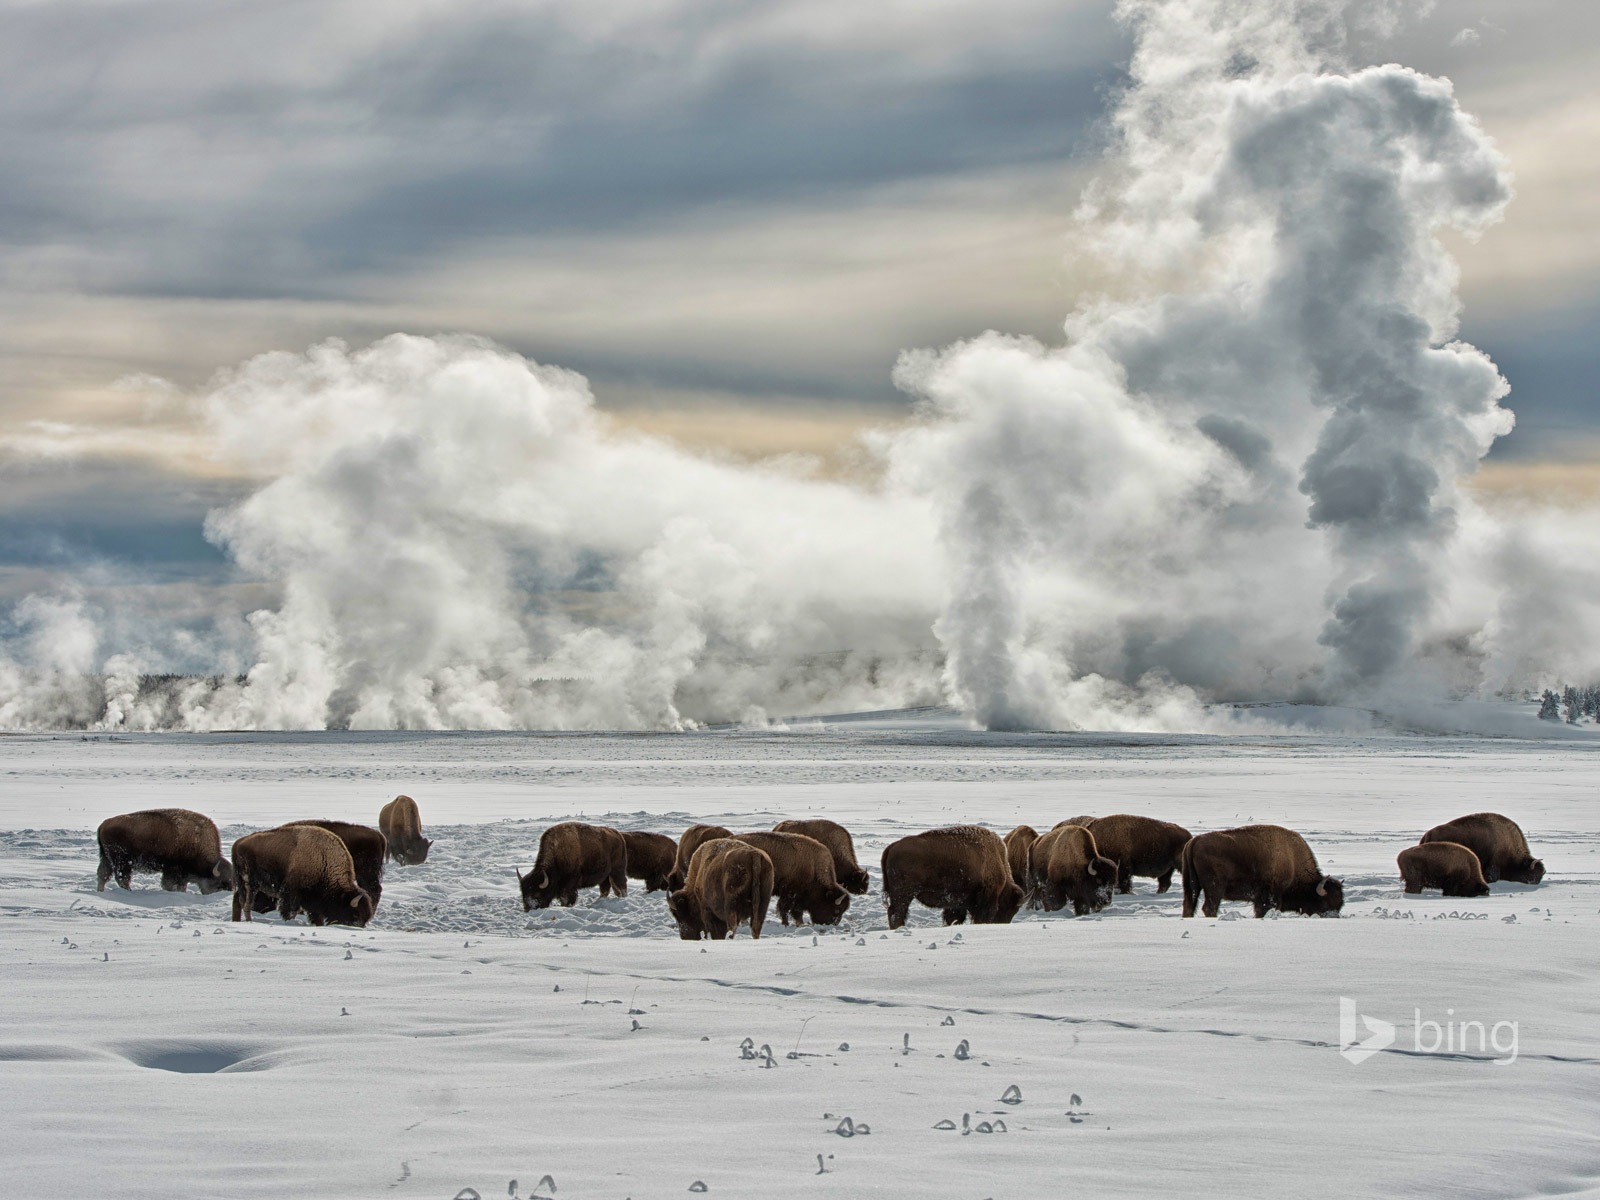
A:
(1571, 704)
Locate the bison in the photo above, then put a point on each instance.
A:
(837, 839)
(1448, 866)
(182, 846)
(401, 825)
(1266, 864)
(960, 870)
(802, 877)
(650, 858)
(1083, 820)
(1140, 846)
(306, 868)
(729, 882)
(573, 855)
(1017, 844)
(687, 845)
(368, 849)
(1065, 866)
(1498, 843)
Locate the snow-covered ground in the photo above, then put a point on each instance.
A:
(150, 1048)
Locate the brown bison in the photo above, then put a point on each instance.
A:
(1065, 866)
(729, 882)
(650, 858)
(183, 847)
(802, 877)
(960, 870)
(687, 845)
(1017, 844)
(401, 825)
(837, 839)
(1085, 821)
(573, 855)
(368, 849)
(306, 868)
(1140, 846)
(1498, 843)
(1266, 864)
(1448, 866)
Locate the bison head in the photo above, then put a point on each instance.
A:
(1324, 899)
(1002, 906)
(537, 890)
(687, 914)
(1531, 870)
(417, 852)
(220, 879)
(830, 906)
(856, 882)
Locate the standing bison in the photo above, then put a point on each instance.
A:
(729, 882)
(837, 839)
(687, 845)
(1140, 846)
(650, 858)
(1065, 866)
(368, 849)
(183, 847)
(306, 868)
(573, 855)
(802, 877)
(401, 825)
(1497, 841)
(1268, 865)
(960, 870)
(1448, 866)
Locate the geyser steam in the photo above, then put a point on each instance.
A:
(1243, 483)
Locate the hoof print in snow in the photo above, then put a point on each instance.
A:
(1076, 1101)
(698, 1186)
(861, 941)
(843, 1046)
(546, 1183)
(1013, 1095)
(467, 1194)
(948, 1021)
(963, 1051)
(945, 1124)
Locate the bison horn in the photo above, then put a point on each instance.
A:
(518, 870)
(354, 901)
(1322, 886)
(1092, 871)
(544, 879)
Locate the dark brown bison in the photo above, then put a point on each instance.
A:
(306, 868)
(401, 825)
(368, 849)
(1017, 843)
(573, 855)
(960, 870)
(729, 882)
(1140, 846)
(802, 877)
(687, 845)
(650, 858)
(1268, 865)
(183, 847)
(1498, 843)
(837, 839)
(1065, 867)
(1448, 866)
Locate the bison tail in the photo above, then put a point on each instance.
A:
(1191, 884)
(760, 897)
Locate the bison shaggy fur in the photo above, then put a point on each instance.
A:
(1140, 846)
(368, 849)
(574, 855)
(1017, 843)
(729, 882)
(1497, 841)
(650, 858)
(960, 870)
(183, 847)
(837, 839)
(1268, 865)
(1066, 867)
(687, 845)
(401, 825)
(306, 868)
(1448, 866)
(802, 877)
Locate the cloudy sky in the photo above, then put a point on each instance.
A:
(731, 216)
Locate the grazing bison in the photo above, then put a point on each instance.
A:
(802, 877)
(729, 882)
(573, 855)
(368, 849)
(1140, 846)
(1085, 821)
(1448, 866)
(401, 825)
(1017, 843)
(837, 839)
(961, 870)
(1065, 866)
(306, 868)
(650, 858)
(182, 846)
(1266, 864)
(1498, 843)
(687, 845)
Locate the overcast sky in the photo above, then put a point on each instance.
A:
(731, 216)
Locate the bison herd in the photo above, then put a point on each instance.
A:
(717, 880)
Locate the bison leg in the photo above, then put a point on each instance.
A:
(899, 909)
(1263, 904)
(125, 875)
(102, 875)
(1124, 881)
(568, 898)
(1213, 902)
(956, 915)
(1413, 887)
(241, 897)
(619, 878)
(1163, 881)
(171, 881)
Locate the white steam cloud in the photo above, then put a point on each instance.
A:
(1243, 485)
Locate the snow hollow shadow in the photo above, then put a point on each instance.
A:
(193, 1057)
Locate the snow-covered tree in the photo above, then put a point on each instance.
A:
(1550, 706)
